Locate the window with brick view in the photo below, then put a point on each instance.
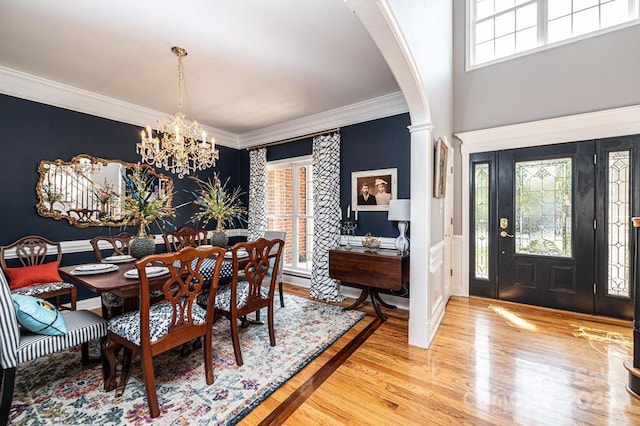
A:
(290, 209)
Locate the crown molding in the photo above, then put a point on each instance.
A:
(37, 89)
(372, 109)
(572, 128)
(33, 88)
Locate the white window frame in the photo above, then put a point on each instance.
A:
(542, 33)
(296, 163)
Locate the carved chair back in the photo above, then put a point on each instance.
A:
(118, 243)
(35, 250)
(32, 250)
(184, 237)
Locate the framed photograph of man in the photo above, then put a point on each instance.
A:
(371, 190)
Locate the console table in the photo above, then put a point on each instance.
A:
(383, 269)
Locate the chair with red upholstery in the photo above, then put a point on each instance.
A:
(34, 270)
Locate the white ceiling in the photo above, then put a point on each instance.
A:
(253, 65)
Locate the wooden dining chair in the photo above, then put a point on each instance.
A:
(184, 237)
(36, 273)
(85, 215)
(154, 329)
(18, 345)
(117, 245)
(246, 294)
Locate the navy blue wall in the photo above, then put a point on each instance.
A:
(32, 132)
(379, 144)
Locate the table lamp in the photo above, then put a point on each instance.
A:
(400, 210)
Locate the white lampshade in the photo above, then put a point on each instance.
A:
(400, 210)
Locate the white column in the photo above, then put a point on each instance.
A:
(420, 318)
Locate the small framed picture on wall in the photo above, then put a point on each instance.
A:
(371, 190)
(440, 169)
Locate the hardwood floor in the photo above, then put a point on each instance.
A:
(491, 363)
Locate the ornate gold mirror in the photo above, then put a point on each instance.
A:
(89, 191)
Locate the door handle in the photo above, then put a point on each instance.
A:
(505, 234)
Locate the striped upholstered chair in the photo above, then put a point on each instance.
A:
(17, 345)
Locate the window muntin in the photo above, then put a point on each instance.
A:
(290, 209)
(499, 29)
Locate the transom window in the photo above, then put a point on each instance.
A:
(290, 209)
(500, 29)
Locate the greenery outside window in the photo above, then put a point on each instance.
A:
(501, 29)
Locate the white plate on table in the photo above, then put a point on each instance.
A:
(204, 246)
(241, 253)
(152, 271)
(123, 258)
(94, 268)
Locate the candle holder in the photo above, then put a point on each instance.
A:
(349, 226)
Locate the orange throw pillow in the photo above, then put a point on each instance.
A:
(36, 274)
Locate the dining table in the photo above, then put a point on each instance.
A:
(120, 279)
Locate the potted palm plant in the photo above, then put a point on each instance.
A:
(215, 202)
(144, 206)
(105, 195)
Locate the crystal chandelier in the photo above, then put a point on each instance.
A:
(178, 151)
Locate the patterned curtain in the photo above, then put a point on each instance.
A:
(326, 217)
(258, 222)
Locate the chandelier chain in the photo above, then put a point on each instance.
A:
(178, 150)
(179, 83)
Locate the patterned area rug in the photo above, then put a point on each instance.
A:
(56, 390)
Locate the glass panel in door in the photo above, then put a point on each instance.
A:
(543, 207)
(618, 177)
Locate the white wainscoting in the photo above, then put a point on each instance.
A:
(437, 292)
(456, 267)
(79, 246)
